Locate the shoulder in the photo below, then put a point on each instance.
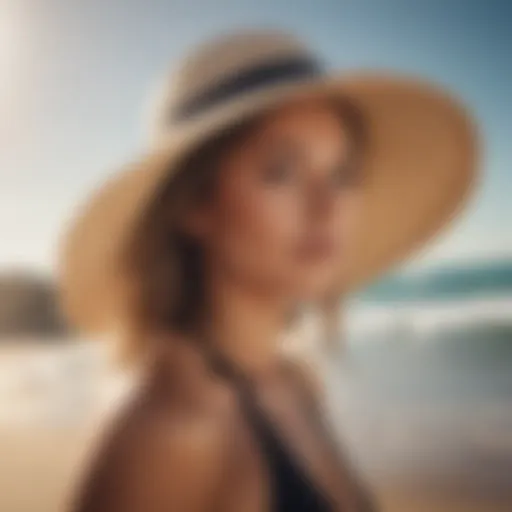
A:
(156, 455)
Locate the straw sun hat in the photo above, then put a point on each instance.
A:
(419, 167)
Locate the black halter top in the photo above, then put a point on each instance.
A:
(291, 488)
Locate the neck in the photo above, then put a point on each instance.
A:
(244, 326)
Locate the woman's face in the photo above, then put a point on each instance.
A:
(285, 205)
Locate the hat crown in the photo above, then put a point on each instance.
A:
(215, 61)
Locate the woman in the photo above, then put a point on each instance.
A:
(269, 186)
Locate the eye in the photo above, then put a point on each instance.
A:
(279, 169)
(346, 175)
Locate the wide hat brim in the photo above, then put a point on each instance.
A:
(419, 169)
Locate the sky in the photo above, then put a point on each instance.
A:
(75, 76)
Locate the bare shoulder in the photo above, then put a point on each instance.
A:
(156, 455)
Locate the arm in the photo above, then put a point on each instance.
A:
(155, 464)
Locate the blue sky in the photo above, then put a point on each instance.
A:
(75, 74)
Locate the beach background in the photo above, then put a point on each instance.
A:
(420, 388)
(420, 393)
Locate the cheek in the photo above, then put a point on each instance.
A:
(344, 229)
(346, 220)
(256, 229)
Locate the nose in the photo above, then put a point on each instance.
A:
(321, 200)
